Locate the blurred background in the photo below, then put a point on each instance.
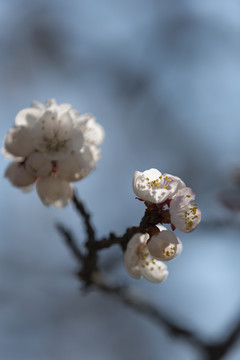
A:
(163, 78)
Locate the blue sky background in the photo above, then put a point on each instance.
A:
(163, 78)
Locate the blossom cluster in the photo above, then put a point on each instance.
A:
(172, 202)
(53, 146)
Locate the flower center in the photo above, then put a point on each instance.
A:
(160, 182)
(145, 259)
(54, 144)
(190, 215)
(169, 251)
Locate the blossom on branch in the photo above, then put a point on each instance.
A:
(164, 245)
(138, 261)
(155, 187)
(169, 198)
(53, 145)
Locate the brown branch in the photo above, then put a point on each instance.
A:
(86, 217)
(212, 351)
(70, 242)
(218, 350)
(148, 220)
(88, 275)
(147, 309)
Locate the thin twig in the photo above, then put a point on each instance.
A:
(88, 271)
(148, 220)
(138, 304)
(71, 242)
(212, 351)
(218, 350)
(86, 217)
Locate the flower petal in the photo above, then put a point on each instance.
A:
(155, 272)
(131, 257)
(165, 245)
(18, 141)
(185, 215)
(28, 116)
(38, 165)
(54, 191)
(152, 186)
(74, 167)
(92, 131)
(18, 175)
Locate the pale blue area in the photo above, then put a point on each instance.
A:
(163, 78)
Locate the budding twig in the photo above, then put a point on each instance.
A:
(89, 272)
(148, 220)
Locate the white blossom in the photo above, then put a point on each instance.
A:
(138, 262)
(18, 175)
(153, 186)
(55, 145)
(185, 215)
(164, 245)
(54, 191)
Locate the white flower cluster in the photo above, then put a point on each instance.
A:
(145, 254)
(172, 201)
(53, 145)
(160, 190)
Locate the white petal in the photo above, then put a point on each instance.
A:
(18, 175)
(152, 186)
(82, 119)
(91, 155)
(77, 139)
(155, 272)
(50, 103)
(27, 117)
(165, 245)
(92, 131)
(180, 184)
(152, 174)
(136, 240)
(185, 216)
(37, 165)
(188, 219)
(182, 198)
(18, 141)
(131, 255)
(54, 191)
(74, 167)
(63, 108)
(37, 105)
(131, 258)
(9, 156)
